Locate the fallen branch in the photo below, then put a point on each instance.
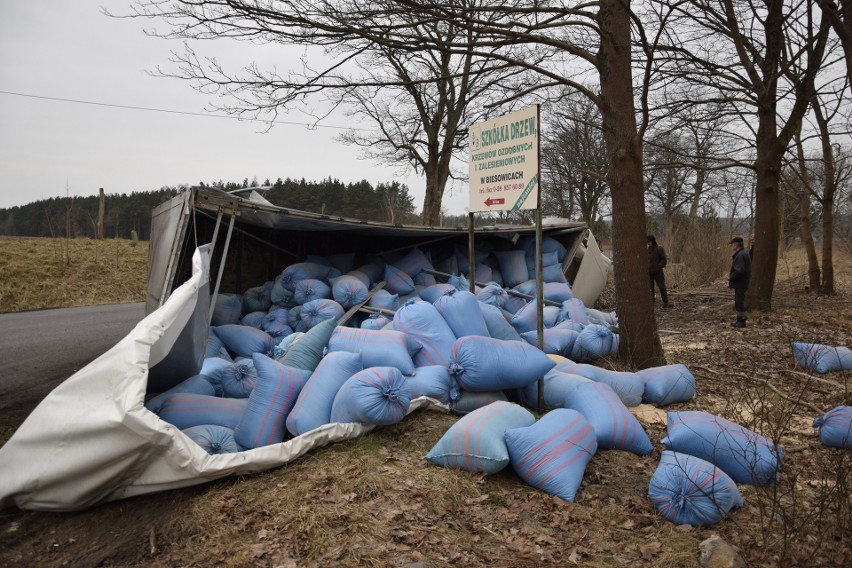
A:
(812, 377)
(796, 400)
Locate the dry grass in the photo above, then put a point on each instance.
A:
(37, 273)
(374, 501)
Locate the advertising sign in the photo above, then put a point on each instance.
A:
(503, 162)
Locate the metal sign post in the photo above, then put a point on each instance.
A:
(505, 174)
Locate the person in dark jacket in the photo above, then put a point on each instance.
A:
(739, 278)
(656, 263)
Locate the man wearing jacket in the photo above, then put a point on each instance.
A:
(656, 263)
(739, 278)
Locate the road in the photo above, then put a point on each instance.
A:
(40, 349)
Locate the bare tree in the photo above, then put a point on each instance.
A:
(574, 165)
(545, 37)
(841, 23)
(667, 178)
(749, 67)
(418, 97)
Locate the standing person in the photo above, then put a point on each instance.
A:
(656, 263)
(739, 279)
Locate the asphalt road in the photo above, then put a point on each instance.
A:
(40, 349)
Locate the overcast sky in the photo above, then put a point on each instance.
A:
(67, 49)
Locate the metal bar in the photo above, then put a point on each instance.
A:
(221, 268)
(171, 265)
(430, 241)
(483, 284)
(539, 245)
(539, 306)
(471, 263)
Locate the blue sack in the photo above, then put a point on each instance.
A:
(690, 491)
(215, 347)
(257, 299)
(494, 295)
(185, 410)
(557, 385)
(317, 311)
(377, 395)
(835, 427)
(628, 386)
(476, 442)
(348, 291)
(213, 439)
(573, 310)
(240, 383)
(307, 352)
(598, 341)
(513, 267)
(422, 322)
(384, 300)
(744, 455)
(413, 263)
(482, 364)
(227, 310)
(253, 319)
(310, 289)
(375, 321)
(276, 323)
(461, 312)
(667, 384)
(433, 381)
(245, 341)
(497, 324)
(301, 271)
(470, 401)
(822, 358)
(270, 402)
(556, 341)
(197, 384)
(432, 293)
(378, 348)
(615, 427)
(397, 281)
(313, 407)
(552, 454)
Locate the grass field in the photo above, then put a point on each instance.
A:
(37, 273)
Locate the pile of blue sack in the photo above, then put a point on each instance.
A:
(332, 340)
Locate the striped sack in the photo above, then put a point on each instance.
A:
(552, 454)
(476, 442)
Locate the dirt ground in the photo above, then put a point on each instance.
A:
(374, 501)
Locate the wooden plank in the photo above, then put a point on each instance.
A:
(354, 309)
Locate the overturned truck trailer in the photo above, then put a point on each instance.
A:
(93, 440)
(259, 240)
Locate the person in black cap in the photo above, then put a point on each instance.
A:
(739, 278)
(656, 262)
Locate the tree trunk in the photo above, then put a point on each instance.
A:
(434, 196)
(640, 345)
(808, 242)
(805, 210)
(827, 201)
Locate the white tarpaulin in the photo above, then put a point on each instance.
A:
(91, 440)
